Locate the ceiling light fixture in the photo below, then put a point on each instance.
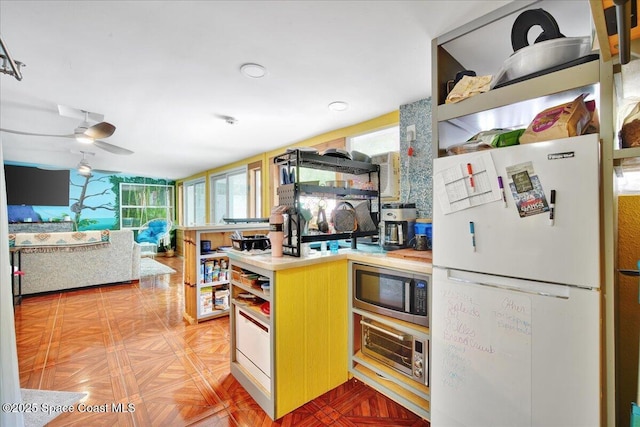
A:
(80, 135)
(84, 139)
(338, 106)
(255, 71)
(84, 168)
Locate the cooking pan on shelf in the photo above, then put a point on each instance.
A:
(337, 152)
(360, 157)
(337, 184)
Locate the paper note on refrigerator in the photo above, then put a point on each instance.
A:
(527, 190)
(467, 184)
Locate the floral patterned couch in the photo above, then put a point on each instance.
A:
(118, 261)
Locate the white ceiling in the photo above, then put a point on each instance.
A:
(164, 71)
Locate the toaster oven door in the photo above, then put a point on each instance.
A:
(388, 346)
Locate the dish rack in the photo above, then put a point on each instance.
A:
(289, 195)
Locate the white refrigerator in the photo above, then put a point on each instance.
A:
(515, 323)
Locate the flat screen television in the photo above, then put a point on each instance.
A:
(37, 187)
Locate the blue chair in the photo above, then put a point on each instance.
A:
(151, 234)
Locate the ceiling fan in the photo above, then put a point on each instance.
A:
(84, 132)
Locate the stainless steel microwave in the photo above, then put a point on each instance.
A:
(397, 294)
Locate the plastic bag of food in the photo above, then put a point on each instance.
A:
(467, 87)
(494, 138)
(629, 134)
(561, 121)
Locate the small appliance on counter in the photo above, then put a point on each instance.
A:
(397, 225)
(423, 236)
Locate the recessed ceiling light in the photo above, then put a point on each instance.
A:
(253, 70)
(338, 106)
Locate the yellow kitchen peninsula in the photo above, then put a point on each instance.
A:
(298, 350)
(290, 326)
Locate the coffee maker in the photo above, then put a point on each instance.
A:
(397, 225)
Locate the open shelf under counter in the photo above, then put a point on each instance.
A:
(214, 314)
(415, 398)
(213, 284)
(193, 309)
(253, 290)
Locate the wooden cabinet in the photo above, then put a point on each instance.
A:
(307, 332)
(211, 291)
(207, 275)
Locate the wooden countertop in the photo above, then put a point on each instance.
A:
(270, 263)
(225, 227)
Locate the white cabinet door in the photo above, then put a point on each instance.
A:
(252, 346)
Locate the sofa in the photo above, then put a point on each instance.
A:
(118, 261)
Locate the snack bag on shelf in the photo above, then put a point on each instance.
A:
(494, 138)
(206, 300)
(467, 87)
(561, 121)
(629, 134)
(221, 299)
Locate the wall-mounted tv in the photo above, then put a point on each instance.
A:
(37, 187)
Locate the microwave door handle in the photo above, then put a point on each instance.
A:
(384, 331)
(407, 296)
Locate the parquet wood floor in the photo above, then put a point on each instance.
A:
(128, 343)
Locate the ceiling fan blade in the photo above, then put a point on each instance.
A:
(76, 113)
(18, 132)
(100, 130)
(112, 148)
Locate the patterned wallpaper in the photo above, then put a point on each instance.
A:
(416, 184)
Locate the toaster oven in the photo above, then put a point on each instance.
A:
(400, 351)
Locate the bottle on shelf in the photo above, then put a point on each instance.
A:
(276, 234)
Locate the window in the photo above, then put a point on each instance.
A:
(255, 189)
(140, 203)
(377, 142)
(194, 202)
(229, 195)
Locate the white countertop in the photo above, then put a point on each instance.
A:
(271, 263)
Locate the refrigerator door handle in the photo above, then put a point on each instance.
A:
(501, 286)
